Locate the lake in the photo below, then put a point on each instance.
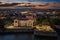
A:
(23, 36)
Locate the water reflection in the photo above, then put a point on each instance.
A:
(17, 37)
(24, 37)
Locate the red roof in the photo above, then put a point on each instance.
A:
(23, 19)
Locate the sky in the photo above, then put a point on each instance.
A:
(45, 3)
(32, 0)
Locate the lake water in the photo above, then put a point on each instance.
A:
(22, 37)
(16, 37)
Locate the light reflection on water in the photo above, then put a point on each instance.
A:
(23, 37)
(17, 37)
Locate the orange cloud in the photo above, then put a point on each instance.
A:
(41, 5)
(49, 5)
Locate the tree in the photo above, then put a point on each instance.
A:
(56, 21)
(8, 21)
(45, 22)
(2, 23)
(39, 19)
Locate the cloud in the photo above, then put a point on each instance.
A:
(50, 5)
(46, 4)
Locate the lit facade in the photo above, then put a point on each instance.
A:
(23, 22)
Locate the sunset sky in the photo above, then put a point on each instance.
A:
(49, 5)
(30, 0)
(44, 3)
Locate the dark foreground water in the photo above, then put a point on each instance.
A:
(23, 37)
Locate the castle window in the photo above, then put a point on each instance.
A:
(15, 21)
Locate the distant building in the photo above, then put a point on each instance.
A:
(48, 13)
(40, 13)
(24, 12)
(54, 12)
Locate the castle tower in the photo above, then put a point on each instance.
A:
(15, 23)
